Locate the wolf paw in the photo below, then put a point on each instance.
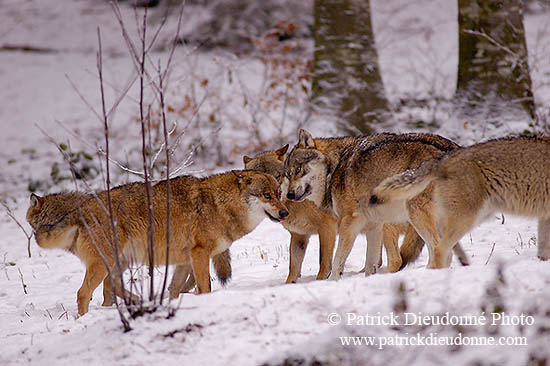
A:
(291, 279)
(371, 270)
(322, 276)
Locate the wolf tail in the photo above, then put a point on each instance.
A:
(405, 185)
(411, 247)
(222, 266)
(461, 254)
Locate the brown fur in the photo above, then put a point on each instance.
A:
(508, 175)
(307, 219)
(339, 174)
(207, 215)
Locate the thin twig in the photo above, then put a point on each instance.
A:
(22, 281)
(492, 40)
(83, 98)
(99, 150)
(12, 216)
(141, 60)
(491, 253)
(168, 232)
(174, 43)
(108, 184)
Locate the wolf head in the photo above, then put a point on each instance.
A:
(52, 218)
(270, 162)
(306, 169)
(33, 212)
(53, 210)
(262, 195)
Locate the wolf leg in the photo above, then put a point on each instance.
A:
(201, 268)
(420, 210)
(327, 239)
(109, 294)
(350, 226)
(421, 215)
(181, 276)
(543, 236)
(426, 231)
(453, 230)
(95, 273)
(412, 247)
(298, 246)
(374, 248)
(391, 243)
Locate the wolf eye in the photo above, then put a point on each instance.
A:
(267, 196)
(298, 170)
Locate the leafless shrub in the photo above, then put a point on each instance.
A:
(152, 78)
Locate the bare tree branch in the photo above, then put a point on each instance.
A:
(12, 216)
(168, 231)
(493, 41)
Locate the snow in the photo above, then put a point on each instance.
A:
(257, 318)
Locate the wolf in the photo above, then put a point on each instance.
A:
(339, 174)
(206, 216)
(269, 162)
(508, 175)
(306, 219)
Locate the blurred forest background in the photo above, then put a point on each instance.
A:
(247, 75)
(331, 66)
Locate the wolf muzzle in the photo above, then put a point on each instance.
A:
(283, 214)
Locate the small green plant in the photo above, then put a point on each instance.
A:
(83, 163)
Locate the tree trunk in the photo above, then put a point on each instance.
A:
(346, 78)
(493, 73)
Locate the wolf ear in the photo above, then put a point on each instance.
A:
(281, 153)
(241, 178)
(36, 201)
(246, 159)
(305, 139)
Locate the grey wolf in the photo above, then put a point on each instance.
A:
(339, 174)
(307, 219)
(207, 215)
(509, 175)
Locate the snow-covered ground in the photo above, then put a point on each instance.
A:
(256, 319)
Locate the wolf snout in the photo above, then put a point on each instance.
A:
(291, 194)
(283, 214)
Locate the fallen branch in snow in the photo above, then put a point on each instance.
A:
(26, 48)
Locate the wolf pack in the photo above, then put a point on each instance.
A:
(421, 186)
